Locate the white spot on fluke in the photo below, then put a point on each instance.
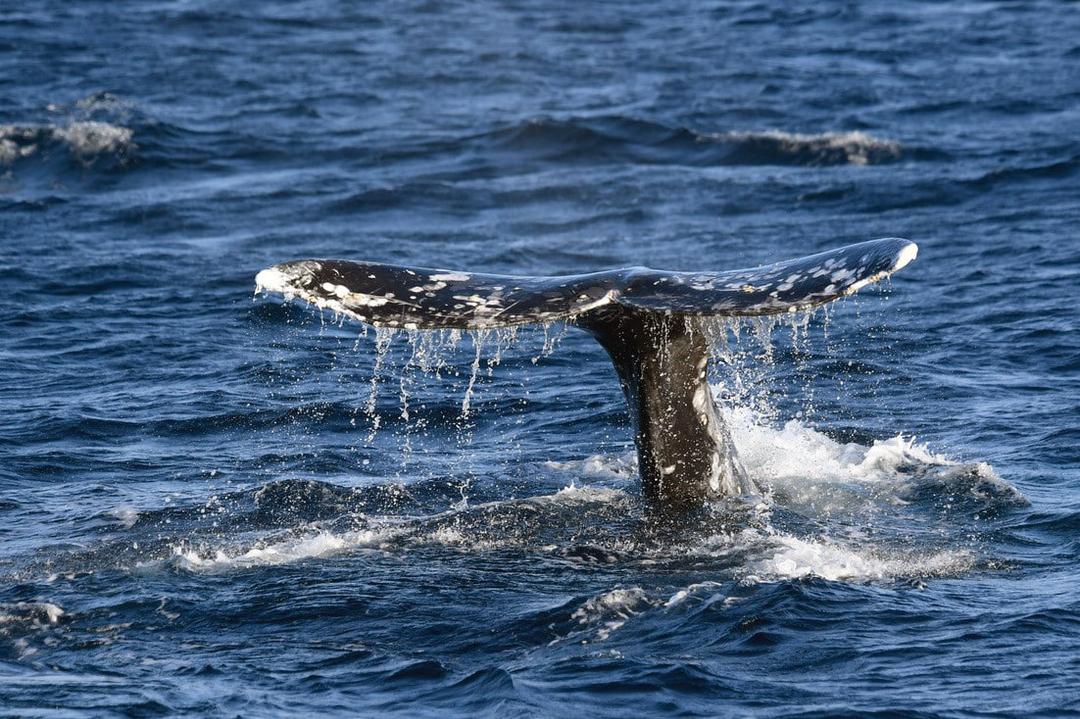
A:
(905, 256)
(271, 280)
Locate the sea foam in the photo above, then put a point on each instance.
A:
(84, 140)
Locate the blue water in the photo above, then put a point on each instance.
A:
(209, 507)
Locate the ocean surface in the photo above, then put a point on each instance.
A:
(215, 504)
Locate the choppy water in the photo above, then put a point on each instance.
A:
(200, 516)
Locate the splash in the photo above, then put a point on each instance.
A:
(22, 622)
(622, 467)
(843, 511)
(813, 471)
(792, 533)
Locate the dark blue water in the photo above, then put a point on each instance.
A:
(209, 507)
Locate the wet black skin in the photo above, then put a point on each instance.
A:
(685, 454)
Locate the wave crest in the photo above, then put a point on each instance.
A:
(828, 148)
(790, 557)
(625, 139)
(36, 614)
(84, 140)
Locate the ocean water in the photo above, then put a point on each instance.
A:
(219, 505)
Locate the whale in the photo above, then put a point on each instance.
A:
(652, 323)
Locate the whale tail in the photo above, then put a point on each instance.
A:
(649, 321)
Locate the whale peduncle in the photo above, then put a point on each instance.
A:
(685, 453)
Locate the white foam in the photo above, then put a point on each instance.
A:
(451, 536)
(598, 465)
(794, 464)
(126, 515)
(859, 148)
(794, 558)
(84, 139)
(804, 462)
(574, 494)
(823, 479)
(612, 610)
(812, 468)
(323, 544)
(17, 141)
(681, 596)
(34, 613)
(767, 555)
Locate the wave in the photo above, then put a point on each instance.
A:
(322, 544)
(824, 483)
(612, 610)
(757, 558)
(489, 526)
(43, 158)
(29, 614)
(84, 141)
(626, 139)
(1056, 170)
(828, 509)
(829, 148)
(783, 556)
(27, 627)
(77, 146)
(102, 132)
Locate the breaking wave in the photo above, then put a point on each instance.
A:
(23, 623)
(621, 138)
(84, 141)
(29, 614)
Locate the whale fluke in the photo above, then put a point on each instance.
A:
(422, 298)
(649, 321)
